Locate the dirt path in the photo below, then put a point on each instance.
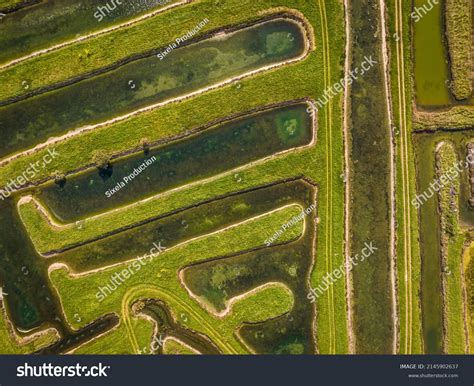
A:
(388, 101)
(329, 178)
(347, 172)
(405, 205)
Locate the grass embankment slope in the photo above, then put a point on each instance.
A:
(452, 244)
(11, 345)
(7, 4)
(459, 32)
(309, 78)
(174, 347)
(117, 342)
(458, 117)
(469, 279)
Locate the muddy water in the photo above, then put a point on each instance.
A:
(430, 55)
(370, 188)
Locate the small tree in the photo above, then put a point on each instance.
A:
(145, 144)
(103, 162)
(59, 178)
(101, 159)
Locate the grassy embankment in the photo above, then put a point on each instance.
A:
(7, 4)
(452, 244)
(117, 342)
(8, 345)
(469, 280)
(408, 250)
(459, 31)
(265, 88)
(458, 117)
(173, 347)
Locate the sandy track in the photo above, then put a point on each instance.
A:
(406, 182)
(388, 102)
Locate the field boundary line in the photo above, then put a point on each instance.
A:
(388, 102)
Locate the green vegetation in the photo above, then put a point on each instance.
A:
(6, 4)
(469, 281)
(452, 243)
(48, 23)
(166, 327)
(174, 347)
(16, 345)
(458, 117)
(117, 341)
(370, 189)
(408, 251)
(458, 32)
